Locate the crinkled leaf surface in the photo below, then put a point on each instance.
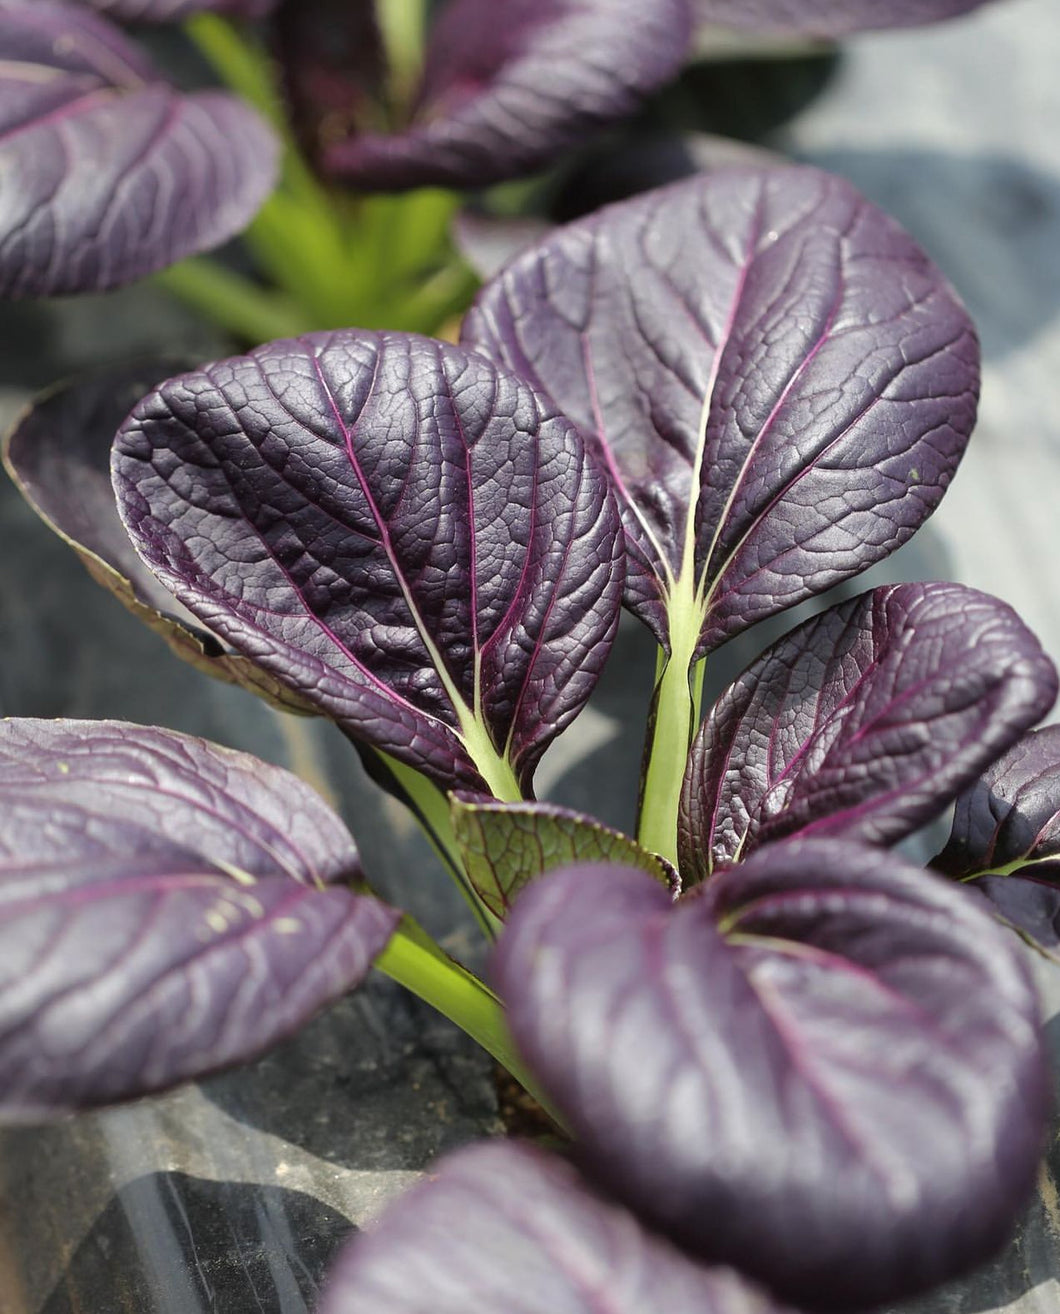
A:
(58, 453)
(168, 11)
(500, 98)
(841, 1092)
(828, 18)
(107, 173)
(409, 538)
(780, 380)
(167, 908)
(505, 846)
(862, 723)
(503, 1227)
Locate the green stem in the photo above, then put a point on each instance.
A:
(234, 302)
(1006, 869)
(402, 25)
(675, 719)
(414, 960)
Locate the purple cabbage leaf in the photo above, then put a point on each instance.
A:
(58, 453)
(781, 393)
(505, 846)
(1006, 837)
(498, 99)
(109, 173)
(503, 1226)
(823, 1068)
(862, 723)
(827, 18)
(409, 538)
(167, 908)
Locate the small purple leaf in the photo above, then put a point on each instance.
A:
(167, 908)
(503, 1227)
(409, 538)
(503, 98)
(841, 1091)
(780, 380)
(862, 723)
(1030, 906)
(505, 846)
(58, 454)
(108, 172)
(827, 18)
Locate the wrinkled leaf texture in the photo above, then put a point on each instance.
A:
(409, 538)
(505, 846)
(862, 723)
(780, 382)
(167, 908)
(826, 1073)
(502, 97)
(504, 1227)
(58, 453)
(108, 173)
(828, 18)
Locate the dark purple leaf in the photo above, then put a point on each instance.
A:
(500, 98)
(827, 1072)
(167, 908)
(109, 172)
(1031, 906)
(827, 18)
(863, 723)
(505, 846)
(409, 538)
(169, 11)
(781, 381)
(58, 454)
(503, 1227)
(1010, 817)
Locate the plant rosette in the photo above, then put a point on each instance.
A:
(796, 1071)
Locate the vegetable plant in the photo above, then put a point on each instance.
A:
(786, 1067)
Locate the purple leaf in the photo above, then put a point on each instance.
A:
(1029, 905)
(109, 172)
(58, 454)
(781, 382)
(505, 846)
(1010, 817)
(503, 98)
(169, 11)
(827, 18)
(503, 1227)
(863, 723)
(409, 538)
(167, 908)
(827, 1072)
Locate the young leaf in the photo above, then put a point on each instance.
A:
(827, 18)
(109, 172)
(781, 393)
(503, 1227)
(862, 723)
(832, 1051)
(505, 846)
(409, 538)
(58, 453)
(502, 98)
(167, 908)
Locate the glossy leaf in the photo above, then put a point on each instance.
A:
(58, 453)
(862, 723)
(410, 539)
(499, 99)
(110, 173)
(828, 18)
(167, 908)
(505, 846)
(1010, 817)
(782, 392)
(826, 1073)
(502, 1226)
